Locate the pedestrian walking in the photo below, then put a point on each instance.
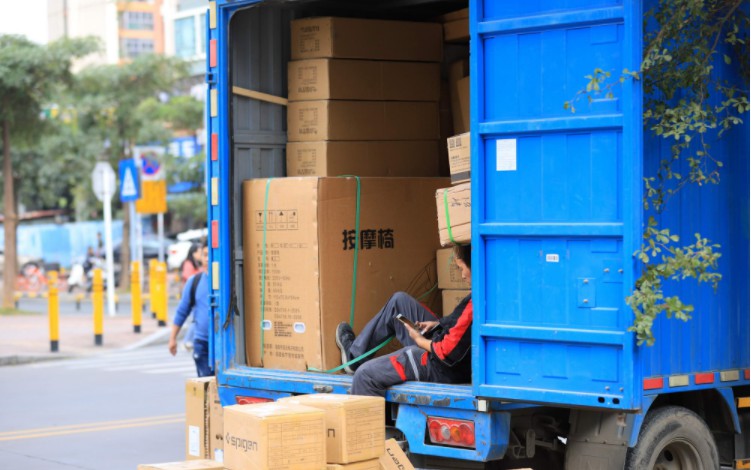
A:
(195, 299)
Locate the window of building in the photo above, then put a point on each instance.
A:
(132, 47)
(137, 20)
(185, 37)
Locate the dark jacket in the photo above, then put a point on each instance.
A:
(451, 346)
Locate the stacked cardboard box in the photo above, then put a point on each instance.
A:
(274, 436)
(355, 433)
(308, 225)
(363, 98)
(203, 420)
(454, 210)
(456, 26)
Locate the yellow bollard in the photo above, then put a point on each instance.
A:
(165, 291)
(97, 298)
(136, 304)
(53, 307)
(152, 285)
(158, 300)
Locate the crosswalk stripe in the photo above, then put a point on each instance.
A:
(145, 367)
(110, 356)
(124, 361)
(185, 368)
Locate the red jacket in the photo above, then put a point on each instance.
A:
(451, 347)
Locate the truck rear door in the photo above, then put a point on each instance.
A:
(556, 200)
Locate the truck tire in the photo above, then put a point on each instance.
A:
(673, 438)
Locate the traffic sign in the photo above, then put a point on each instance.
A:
(150, 167)
(103, 181)
(130, 187)
(154, 198)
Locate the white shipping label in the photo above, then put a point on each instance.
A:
(194, 441)
(552, 258)
(219, 455)
(505, 155)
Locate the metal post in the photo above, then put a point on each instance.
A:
(160, 231)
(136, 306)
(97, 298)
(53, 306)
(108, 248)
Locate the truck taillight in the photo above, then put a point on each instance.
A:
(452, 432)
(251, 400)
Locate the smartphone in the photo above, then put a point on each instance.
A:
(426, 333)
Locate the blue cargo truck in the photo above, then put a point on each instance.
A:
(557, 217)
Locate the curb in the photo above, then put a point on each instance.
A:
(21, 360)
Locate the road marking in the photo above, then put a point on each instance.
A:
(91, 427)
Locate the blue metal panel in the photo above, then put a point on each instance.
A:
(491, 432)
(556, 201)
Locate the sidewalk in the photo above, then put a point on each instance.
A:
(25, 338)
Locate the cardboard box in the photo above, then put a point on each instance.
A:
(374, 464)
(462, 87)
(452, 298)
(457, 71)
(459, 157)
(374, 158)
(455, 15)
(270, 436)
(310, 241)
(197, 442)
(355, 38)
(216, 423)
(362, 120)
(355, 425)
(342, 79)
(456, 203)
(394, 457)
(456, 31)
(188, 465)
(449, 274)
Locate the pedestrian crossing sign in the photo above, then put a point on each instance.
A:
(130, 183)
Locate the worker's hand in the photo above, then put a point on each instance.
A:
(424, 326)
(419, 339)
(173, 346)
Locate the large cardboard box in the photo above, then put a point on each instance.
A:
(355, 38)
(457, 71)
(456, 26)
(216, 423)
(362, 120)
(394, 458)
(342, 79)
(452, 298)
(309, 226)
(374, 464)
(274, 436)
(374, 158)
(455, 205)
(459, 157)
(449, 274)
(188, 465)
(355, 425)
(197, 442)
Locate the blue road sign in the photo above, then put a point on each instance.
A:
(130, 183)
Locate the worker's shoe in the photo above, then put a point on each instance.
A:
(345, 336)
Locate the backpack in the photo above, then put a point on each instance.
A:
(191, 333)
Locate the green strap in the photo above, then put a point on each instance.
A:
(361, 356)
(263, 262)
(357, 252)
(448, 218)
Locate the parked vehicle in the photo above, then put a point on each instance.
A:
(557, 214)
(178, 251)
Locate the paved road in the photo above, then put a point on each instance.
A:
(111, 412)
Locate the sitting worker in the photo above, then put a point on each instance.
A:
(445, 358)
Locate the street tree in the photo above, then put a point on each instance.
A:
(29, 73)
(108, 98)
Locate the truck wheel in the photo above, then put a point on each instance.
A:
(673, 438)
